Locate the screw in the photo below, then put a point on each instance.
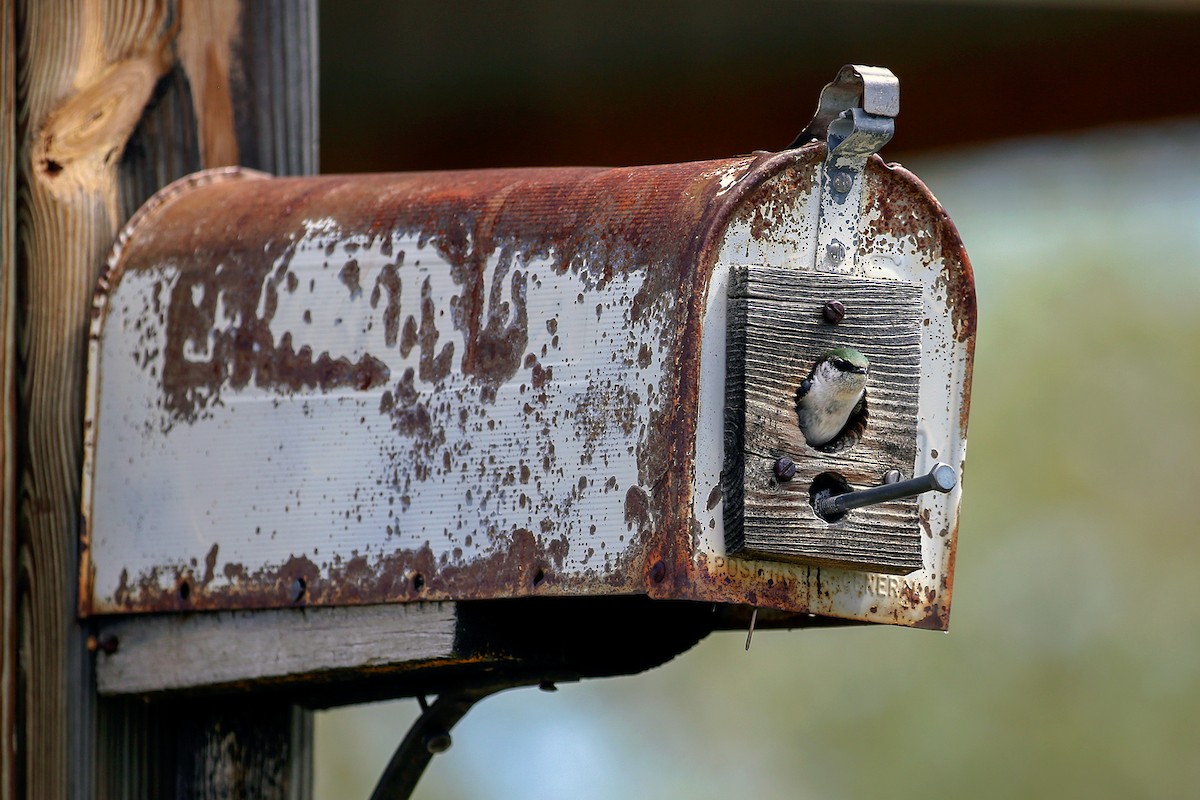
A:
(658, 572)
(834, 311)
(842, 182)
(437, 742)
(107, 644)
(892, 476)
(835, 252)
(785, 469)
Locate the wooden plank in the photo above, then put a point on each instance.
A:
(8, 407)
(776, 334)
(109, 116)
(85, 74)
(181, 652)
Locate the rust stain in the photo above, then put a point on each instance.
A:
(525, 564)
(909, 211)
(240, 347)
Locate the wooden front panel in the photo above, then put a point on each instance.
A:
(776, 334)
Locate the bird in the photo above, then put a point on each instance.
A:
(831, 393)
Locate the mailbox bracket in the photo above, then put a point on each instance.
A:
(855, 118)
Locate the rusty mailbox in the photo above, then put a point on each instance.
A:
(374, 389)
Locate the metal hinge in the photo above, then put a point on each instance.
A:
(855, 118)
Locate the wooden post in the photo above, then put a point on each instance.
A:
(8, 531)
(112, 101)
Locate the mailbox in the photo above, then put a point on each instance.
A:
(381, 389)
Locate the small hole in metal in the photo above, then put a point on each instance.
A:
(538, 577)
(418, 582)
(185, 591)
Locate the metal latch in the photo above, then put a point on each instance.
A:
(855, 118)
(831, 504)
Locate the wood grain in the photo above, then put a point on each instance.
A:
(173, 652)
(8, 409)
(106, 114)
(84, 74)
(776, 334)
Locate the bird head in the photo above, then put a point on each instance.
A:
(847, 359)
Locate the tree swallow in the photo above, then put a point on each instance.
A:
(831, 394)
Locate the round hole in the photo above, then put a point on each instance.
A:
(538, 577)
(418, 582)
(824, 486)
(185, 591)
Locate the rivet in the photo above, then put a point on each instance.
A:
(834, 311)
(437, 742)
(842, 182)
(785, 469)
(835, 252)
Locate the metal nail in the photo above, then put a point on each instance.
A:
(785, 469)
(942, 478)
(834, 311)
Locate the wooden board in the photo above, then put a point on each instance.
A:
(235, 647)
(776, 332)
(115, 100)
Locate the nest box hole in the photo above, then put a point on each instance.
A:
(825, 485)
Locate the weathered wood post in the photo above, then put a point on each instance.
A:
(104, 103)
(8, 534)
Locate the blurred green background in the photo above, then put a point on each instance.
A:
(1072, 667)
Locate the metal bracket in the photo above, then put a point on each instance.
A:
(855, 118)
